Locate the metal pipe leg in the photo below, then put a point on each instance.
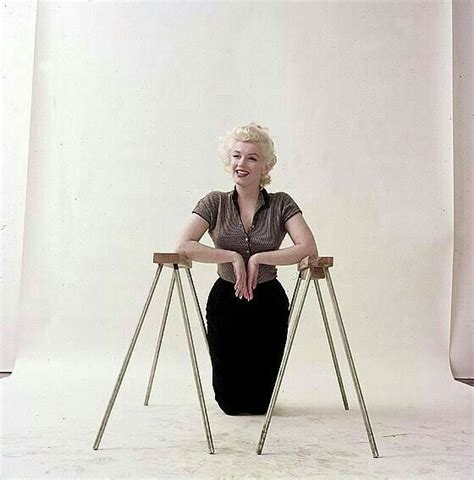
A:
(350, 360)
(331, 344)
(196, 303)
(126, 360)
(294, 297)
(192, 353)
(292, 304)
(284, 361)
(159, 341)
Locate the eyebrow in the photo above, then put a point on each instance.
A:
(237, 151)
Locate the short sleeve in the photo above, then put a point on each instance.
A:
(207, 208)
(289, 208)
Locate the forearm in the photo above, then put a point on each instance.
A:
(286, 256)
(198, 252)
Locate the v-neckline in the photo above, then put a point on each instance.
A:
(258, 205)
(262, 202)
(251, 223)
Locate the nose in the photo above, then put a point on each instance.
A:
(242, 161)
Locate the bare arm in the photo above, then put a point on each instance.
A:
(188, 244)
(304, 245)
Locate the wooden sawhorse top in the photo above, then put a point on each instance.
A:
(315, 263)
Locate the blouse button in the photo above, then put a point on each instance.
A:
(246, 238)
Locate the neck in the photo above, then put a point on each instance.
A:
(249, 193)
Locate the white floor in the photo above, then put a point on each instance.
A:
(50, 418)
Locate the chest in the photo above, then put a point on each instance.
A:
(247, 213)
(234, 231)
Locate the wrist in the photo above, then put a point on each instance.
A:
(234, 256)
(255, 258)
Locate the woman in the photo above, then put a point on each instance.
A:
(247, 309)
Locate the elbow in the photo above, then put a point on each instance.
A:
(180, 247)
(312, 250)
(308, 250)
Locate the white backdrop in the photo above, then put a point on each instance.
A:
(128, 101)
(16, 63)
(461, 350)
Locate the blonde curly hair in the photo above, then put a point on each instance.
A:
(249, 133)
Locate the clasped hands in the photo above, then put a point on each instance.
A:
(245, 278)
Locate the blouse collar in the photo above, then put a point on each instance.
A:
(262, 202)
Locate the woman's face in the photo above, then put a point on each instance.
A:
(246, 163)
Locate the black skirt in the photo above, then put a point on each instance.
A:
(246, 343)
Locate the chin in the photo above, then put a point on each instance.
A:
(242, 180)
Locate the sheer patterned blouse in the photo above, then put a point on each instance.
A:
(221, 211)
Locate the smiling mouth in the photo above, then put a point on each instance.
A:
(241, 173)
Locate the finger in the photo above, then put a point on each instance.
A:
(250, 295)
(240, 290)
(249, 286)
(243, 288)
(240, 283)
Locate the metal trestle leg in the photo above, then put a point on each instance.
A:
(350, 360)
(284, 361)
(127, 360)
(192, 353)
(163, 324)
(292, 333)
(159, 341)
(175, 280)
(331, 344)
(196, 303)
